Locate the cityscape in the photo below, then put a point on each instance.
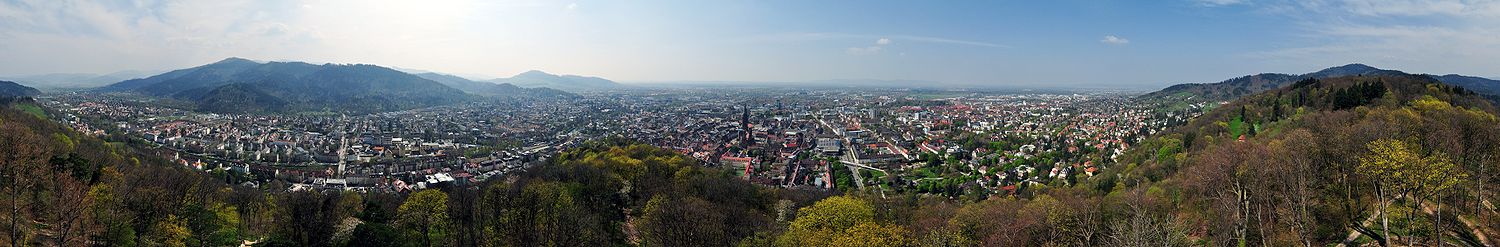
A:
(944, 142)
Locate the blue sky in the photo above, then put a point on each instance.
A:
(1138, 44)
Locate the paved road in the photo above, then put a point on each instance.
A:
(858, 181)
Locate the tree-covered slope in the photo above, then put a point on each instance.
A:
(1401, 158)
(611, 194)
(226, 85)
(1234, 88)
(1478, 84)
(12, 90)
(64, 188)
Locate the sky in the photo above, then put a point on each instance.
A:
(1145, 44)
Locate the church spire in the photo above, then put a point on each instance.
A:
(745, 125)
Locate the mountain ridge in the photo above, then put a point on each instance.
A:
(484, 88)
(13, 89)
(1245, 85)
(570, 83)
(75, 80)
(230, 85)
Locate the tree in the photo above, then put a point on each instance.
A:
(998, 222)
(840, 221)
(375, 235)
(685, 221)
(214, 224)
(945, 238)
(1399, 169)
(1291, 171)
(67, 210)
(172, 231)
(424, 216)
(306, 218)
(106, 210)
(21, 163)
(871, 234)
(1386, 159)
(1225, 179)
(1142, 228)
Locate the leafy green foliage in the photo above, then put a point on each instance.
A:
(376, 235)
(1317, 158)
(585, 196)
(424, 217)
(840, 221)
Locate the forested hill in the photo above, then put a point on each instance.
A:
(1314, 162)
(1246, 85)
(12, 89)
(237, 85)
(64, 188)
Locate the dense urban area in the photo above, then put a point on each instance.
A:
(951, 143)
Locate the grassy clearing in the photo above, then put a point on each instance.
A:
(33, 109)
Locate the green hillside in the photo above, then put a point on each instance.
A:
(1319, 158)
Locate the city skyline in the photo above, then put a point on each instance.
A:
(1009, 44)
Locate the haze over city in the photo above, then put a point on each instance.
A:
(1129, 44)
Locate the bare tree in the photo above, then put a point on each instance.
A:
(21, 162)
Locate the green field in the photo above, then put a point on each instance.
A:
(32, 109)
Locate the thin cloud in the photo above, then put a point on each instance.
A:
(870, 50)
(1453, 8)
(1345, 31)
(1370, 8)
(1113, 40)
(798, 37)
(949, 41)
(1216, 3)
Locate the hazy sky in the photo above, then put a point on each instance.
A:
(1047, 43)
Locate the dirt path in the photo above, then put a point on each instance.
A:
(1475, 229)
(1353, 234)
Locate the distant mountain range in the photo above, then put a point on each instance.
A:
(76, 80)
(492, 89)
(570, 83)
(13, 89)
(1251, 84)
(1478, 84)
(863, 83)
